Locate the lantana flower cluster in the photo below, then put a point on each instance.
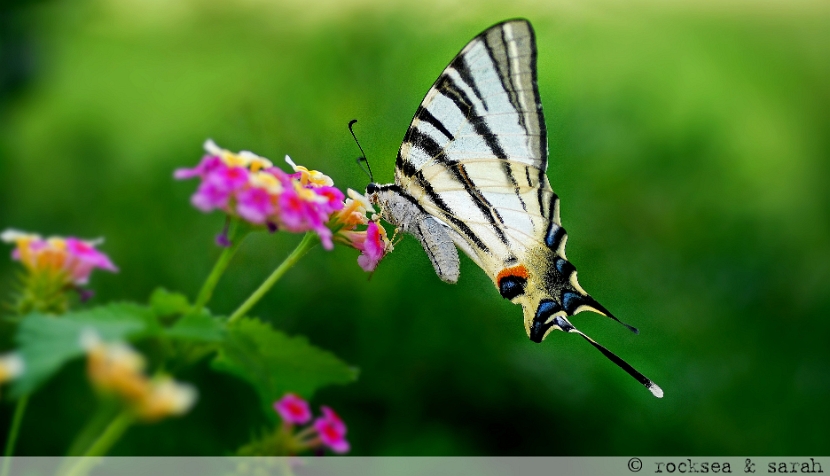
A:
(250, 187)
(327, 430)
(54, 265)
(70, 258)
(117, 369)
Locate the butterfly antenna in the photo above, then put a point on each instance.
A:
(566, 326)
(362, 159)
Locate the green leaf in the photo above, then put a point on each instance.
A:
(275, 363)
(197, 328)
(167, 303)
(46, 343)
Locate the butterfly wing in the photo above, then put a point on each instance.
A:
(472, 167)
(475, 157)
(476, 152)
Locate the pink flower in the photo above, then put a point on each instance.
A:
(374, 248)
(250, 187)
(69, 259)
(293, 409)
(211, 195)
(208, 163)
(327, 430)
(232, 178)
(294, 211)
(82, 258)
(331, 199)
(254, 205)
(332, 431)
(303, 209)
(371, 242)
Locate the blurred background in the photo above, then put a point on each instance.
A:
(689, 145)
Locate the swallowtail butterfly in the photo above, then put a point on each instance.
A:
(471, 174)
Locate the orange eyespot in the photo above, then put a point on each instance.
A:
(519, 271)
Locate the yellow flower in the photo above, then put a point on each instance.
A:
(265, 181)
(255, 162)
(308, 194)
(242, 159)
(118, 369)
(11, 366)
(35, 253)
(114, 368)
(313, 177)
(165, 398)
(354, 210)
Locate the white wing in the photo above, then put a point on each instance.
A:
(474, 159)
(476, 152)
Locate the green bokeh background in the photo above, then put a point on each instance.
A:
(689, 144)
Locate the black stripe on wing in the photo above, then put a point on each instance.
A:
(543, 130)
(504, 53)
(417, 176)
(432, 149)
(424, 115)
(504, 69)
(477, 118)
(447, 87)
(460, 173)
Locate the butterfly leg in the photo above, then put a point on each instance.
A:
(395, 235)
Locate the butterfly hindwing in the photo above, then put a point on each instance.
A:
(471, 172)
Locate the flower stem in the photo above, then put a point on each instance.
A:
(19, 410)
(105, 413)
(221, 265)
(111, 434)
(102, 444)
(309, 241)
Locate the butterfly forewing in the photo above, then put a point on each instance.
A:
(476, 152)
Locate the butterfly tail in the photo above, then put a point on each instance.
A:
(562, 324)
(560, 281)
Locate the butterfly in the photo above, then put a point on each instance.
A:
(470, 174)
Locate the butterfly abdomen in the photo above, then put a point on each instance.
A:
(401, 210)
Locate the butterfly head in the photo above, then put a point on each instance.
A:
(373, 193)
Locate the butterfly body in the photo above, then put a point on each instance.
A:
(401, 210)
(471, 174)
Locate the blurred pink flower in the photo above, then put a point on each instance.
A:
(82, 258)
(332, 431)
(327, 430)
(254, 205)
(210, 195)
(208, 164)
(293, 409)
(69, 259)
